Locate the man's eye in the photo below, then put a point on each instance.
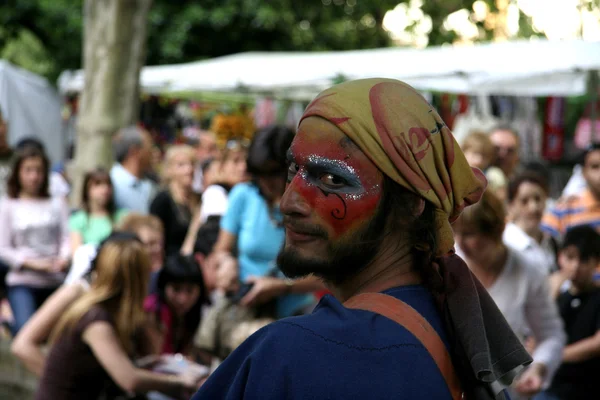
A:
(293, 169)
(332, 181)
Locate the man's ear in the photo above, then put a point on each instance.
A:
(200, 258)
(419, 207)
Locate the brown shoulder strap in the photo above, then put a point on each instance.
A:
(403, 314)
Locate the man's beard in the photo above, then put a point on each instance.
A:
(343, 260)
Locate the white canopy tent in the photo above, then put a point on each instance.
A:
(32, 107)
(528, 68)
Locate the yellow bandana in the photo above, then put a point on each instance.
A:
(408, 141)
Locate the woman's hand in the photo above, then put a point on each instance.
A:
(61, 264)
(40, 264)
(264, 289)
(531, 381)
(190, 383)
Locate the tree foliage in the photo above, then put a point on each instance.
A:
(44, 28)
(187, 30)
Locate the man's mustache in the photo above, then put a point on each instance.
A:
(303, 228)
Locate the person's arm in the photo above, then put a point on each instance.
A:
(223, 262)
(152, 336)
(76, 240)
(103, 340)
(27, 344)
(11, 256)
(221, 259)
(556, 281)
(267, 288)
(542, 315)
(187, 248)
(225, 242)
(77, 223)
(214, 202)
(583, 350)
(64, 256)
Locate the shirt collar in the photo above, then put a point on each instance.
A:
(126, 177)
(517, 238)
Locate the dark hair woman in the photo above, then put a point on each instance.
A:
(176, 307)
(252, 228)
(34, 240)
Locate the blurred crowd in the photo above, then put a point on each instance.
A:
(168, 261)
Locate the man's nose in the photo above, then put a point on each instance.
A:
(292, 201)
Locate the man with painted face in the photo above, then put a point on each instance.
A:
(374, 179)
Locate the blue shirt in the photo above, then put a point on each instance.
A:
(130, 192)
(260, 237)
(334, 353)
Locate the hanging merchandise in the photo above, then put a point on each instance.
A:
(553, 146)
(294, 113)
(527, 124)
(477, 118)
(265, 112)
(445, 110)
(281, 107)
(459, 106)
(583, 130)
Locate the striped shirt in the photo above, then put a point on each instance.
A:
(582, 210)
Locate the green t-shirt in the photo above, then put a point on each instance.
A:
(94, 229)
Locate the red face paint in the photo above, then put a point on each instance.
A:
(338, 182)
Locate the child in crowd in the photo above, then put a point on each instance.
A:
(579, 308)
(175, 310)
(480, 153)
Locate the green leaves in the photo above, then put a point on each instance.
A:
(49, 32)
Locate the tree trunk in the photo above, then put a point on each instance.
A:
(114, 49)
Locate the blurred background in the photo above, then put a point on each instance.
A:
(148, 107)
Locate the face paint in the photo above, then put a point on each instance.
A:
(334, 178)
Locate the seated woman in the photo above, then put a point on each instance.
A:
(98, 214)
(93, 342)
(34, 240)
(175, 310)
(32, 338)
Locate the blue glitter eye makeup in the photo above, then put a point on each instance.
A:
(334, 172)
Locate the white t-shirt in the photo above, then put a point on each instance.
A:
(540, 255)
(58, 185)
(214, 202)
(81, 263)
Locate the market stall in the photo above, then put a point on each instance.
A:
(32, 108)
(527, 68)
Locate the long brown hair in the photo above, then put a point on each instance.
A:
(94, 177)
(121, 284)
(13, 185)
